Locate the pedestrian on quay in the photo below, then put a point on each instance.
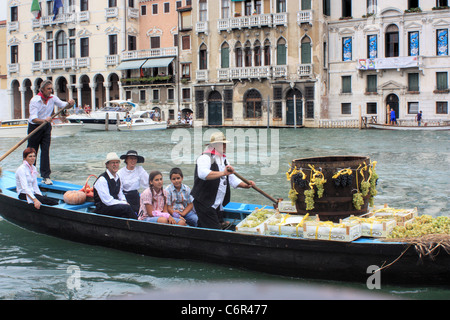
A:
(108, 193)
(41, 108)
(419, 118)
(212, 179)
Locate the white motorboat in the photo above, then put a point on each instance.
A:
(141, 121)
(17, 128)
(107, 118)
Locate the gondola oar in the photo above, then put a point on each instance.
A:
(275, 202)
(32, 133)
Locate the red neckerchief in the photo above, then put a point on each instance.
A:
(44, 98)
(214, 152)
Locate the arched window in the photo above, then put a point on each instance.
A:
(257, 54)
(253, 104)
(203, 57)
(306, 50)
(267, 55)
(238, 54)
(61, 45)
(281, 52)
(248, 55)
(392, 41)
(225, 55)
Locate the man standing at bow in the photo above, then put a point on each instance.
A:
(212, 179)
(41, 108)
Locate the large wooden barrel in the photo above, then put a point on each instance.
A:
(337, 200)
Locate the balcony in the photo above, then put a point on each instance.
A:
(254, 21)
(13, 26)
(202, 27)
(112, 60)
(133, 13)
(245, 73)
(305, 16)
(13, 68)
(202, 75)
(111, 12)
(305, 70)
(63, 18)
(150, 53)
(70, 63)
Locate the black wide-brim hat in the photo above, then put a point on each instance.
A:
(132, 153)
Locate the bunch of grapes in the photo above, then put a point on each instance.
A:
(421, 226)
(358, 200)
(293, 196)
(365, 186)
(299, 181)
(309, 199)
(343, 180)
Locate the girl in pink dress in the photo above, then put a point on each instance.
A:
(154, 202)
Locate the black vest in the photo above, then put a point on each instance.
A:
(114, 189)
(205, 191)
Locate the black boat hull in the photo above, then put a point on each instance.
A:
(271, 254)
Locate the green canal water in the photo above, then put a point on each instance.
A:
(414, 170)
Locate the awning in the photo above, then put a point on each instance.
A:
(157, 63)
(132, 64)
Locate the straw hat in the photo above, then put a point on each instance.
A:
(111, 156)
(218, 137)
(132, 153)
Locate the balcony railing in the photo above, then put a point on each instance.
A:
(254, 21)
(70, 63)
(13, 68)
(305, 70)
(305, 16)
(245, 73)
(133, 13)
(13, 26)
(202, 75)
(63, 18)
(150, 53)
(202, 27)
(112, 60)
(111, 12)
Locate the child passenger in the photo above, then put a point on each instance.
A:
(154, 202)
(179, 199)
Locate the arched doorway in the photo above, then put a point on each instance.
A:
(16, 100)
(100, 92)
(85, 91)
(294, 104)
(28, 96)
(215, 109)
(392, 102)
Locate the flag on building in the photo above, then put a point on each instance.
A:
(56, 5)
(36, 9)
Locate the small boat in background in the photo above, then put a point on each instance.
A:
(142, 121)
(17, 128)
(407, 128)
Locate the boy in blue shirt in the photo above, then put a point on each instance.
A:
(179, 199)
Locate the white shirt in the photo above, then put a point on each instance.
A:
(26, 183)
(101, 185)
(133, 179)
(40, 110)
(204, 169)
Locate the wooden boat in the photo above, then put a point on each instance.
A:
(287, 256)
(407, 128)
(17, 128)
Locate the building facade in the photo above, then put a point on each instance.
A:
(253, 62)
(79, 49)
(238, 62)
(385, 55)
